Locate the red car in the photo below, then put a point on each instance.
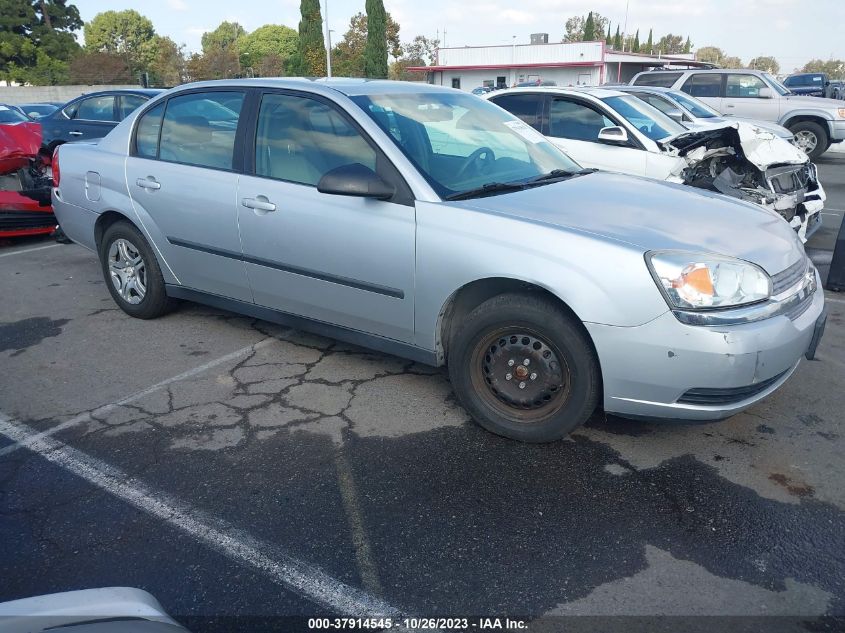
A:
(25, 177)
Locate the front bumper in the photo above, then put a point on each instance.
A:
(837, 130)
(666, 369)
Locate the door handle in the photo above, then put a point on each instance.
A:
(148, 183)
(75, 133)
(259, 203)
(729, 105)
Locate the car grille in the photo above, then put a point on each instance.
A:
(732, 395)
(789, 179)
(785, 279)
(23, 220)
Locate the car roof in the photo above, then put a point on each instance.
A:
(345, 85)
(702, 70)
(660, 89)
(593, 91)
(147, 92)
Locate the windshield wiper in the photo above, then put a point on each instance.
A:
(557, 174)
(489, 188)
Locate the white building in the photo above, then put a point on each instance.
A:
(575, 64)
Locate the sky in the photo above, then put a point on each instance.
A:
(792, 31)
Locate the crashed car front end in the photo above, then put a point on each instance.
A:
(746, 162)
(25, 182)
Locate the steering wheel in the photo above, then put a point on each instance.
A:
(475, 159)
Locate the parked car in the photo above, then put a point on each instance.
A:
(809, 84)
(816, 123)
(481, 90)
(10, 114)
(36, 111)
(24, 178)
(611, 130)
(92, 115)
(693, 113)
(425, 222)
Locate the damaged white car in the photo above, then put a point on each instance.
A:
(610, 130)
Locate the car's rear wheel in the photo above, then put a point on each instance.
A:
(524, 368)
(810, 137)
(132, 273)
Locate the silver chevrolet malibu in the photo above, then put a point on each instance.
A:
(427, 223)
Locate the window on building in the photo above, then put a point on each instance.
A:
(456, 82)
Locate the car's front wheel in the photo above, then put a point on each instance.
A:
(132, 272)
(810, 137)
(524, 368)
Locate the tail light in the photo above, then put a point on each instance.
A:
(55, 167)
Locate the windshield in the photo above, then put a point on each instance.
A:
(647, 119)
(460, 142)
(778, 86)
(699, 109)
(7, 115)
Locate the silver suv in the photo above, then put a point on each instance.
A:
(815, 122)
(428, 223)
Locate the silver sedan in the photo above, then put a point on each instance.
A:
(430, 224)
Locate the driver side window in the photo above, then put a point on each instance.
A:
(576, 121)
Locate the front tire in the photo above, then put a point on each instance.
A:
(810, 137)
(132, 273)
(524, 368)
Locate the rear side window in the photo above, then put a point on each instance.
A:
(526, 107)
(300, 139)
(96, 109)
(704, 85)
(576, 121)
(146, 136)
(198, 129)
(664, 80)
(128, 104)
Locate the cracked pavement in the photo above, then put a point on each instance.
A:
(365, 466)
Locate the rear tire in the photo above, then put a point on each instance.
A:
(132, 273)
(524, 368)
(811, 137)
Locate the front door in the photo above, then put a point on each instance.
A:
(343, 260)
(742, 98)
(182, 178)
(574, 126)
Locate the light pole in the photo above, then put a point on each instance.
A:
(328, 42)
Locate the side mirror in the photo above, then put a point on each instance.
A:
(765, 93)
(675, 115)
(355, 180)
(615, 134)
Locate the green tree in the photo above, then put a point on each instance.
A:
(96, 67)
(731, 62)
(126, 33)
(617, 40)
(576, 25)
(687, 45)
(649, 45)
(671, 44)
(225, 36)
(214, 63)
(635, 47)
(608, 38)
(420, 51)
(375, 52)
(36, 40)
(348, 55)
(589, 28)
(310, 56)
(267, 49)
(710, 54)
(168, 64)
(834, 68)
(765, 63)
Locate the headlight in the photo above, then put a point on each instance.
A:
(841, 112)
(693, 281)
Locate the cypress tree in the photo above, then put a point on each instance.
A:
(589, 28)
(617, 40)
(635, 48)
(608, 38)
(375, 52)
(309, 60)
(688, 45)
(649, 45)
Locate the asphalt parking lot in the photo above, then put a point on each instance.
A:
(235, 468)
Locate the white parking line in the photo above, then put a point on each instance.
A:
(283, 569)
(28, 250)
(831, 300)
(835, 215)
(85, 417)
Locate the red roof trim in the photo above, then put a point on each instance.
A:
(422, 69)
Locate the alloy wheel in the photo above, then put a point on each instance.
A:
(128, 271)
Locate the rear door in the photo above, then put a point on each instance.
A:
(574, 126)
(742, 98)
(343, 260)
(89, 118)
(182, 176)
(706, 86)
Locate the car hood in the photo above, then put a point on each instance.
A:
(653, 215)
(813, 102)
(768, 126)
(762, 148)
